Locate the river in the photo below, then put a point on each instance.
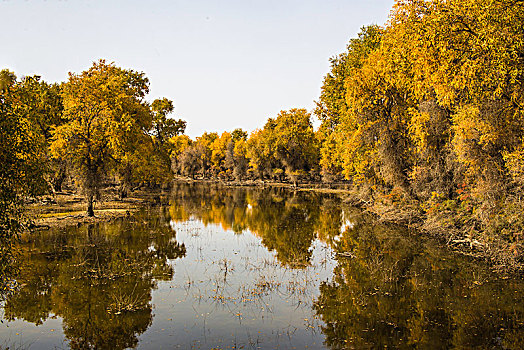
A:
(251, 268)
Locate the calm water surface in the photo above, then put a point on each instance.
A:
(219, 268)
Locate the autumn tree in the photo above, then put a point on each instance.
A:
(41, 103)
(463, 61)
(189, 162)
(236, 154)
(218, 154)
(332, 107)
(428, 111)
(241, 161)
(294, 143)
(228, 157)
(21, 171)
(259, 152)
(154, 162)
(163, 127)
(178, 144)
(204, 152)
(103, 108)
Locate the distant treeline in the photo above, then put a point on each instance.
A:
(286, 149)
(425, 117)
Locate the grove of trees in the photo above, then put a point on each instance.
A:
(426, 116)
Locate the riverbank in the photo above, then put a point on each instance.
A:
(69, 209)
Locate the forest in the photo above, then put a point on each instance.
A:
(423, 117)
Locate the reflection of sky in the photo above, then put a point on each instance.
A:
(225, 64)
(347, 224)
(207, 306)
(23, 335)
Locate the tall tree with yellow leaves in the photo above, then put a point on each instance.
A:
(104, 109)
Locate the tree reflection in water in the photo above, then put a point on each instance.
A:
(98, 278)
(388, 288)
(393, 290)
(285, 221)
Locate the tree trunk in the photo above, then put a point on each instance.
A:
(123, 191)
(58, 183)
(59, 178)
(125, 181)
(90, 210)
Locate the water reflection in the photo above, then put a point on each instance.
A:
(97, 278)
(396, 291)
(261, 268)
(286, 222)
(389, 289)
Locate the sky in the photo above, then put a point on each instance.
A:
(224, 64)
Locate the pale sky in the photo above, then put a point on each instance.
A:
(225, 64)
